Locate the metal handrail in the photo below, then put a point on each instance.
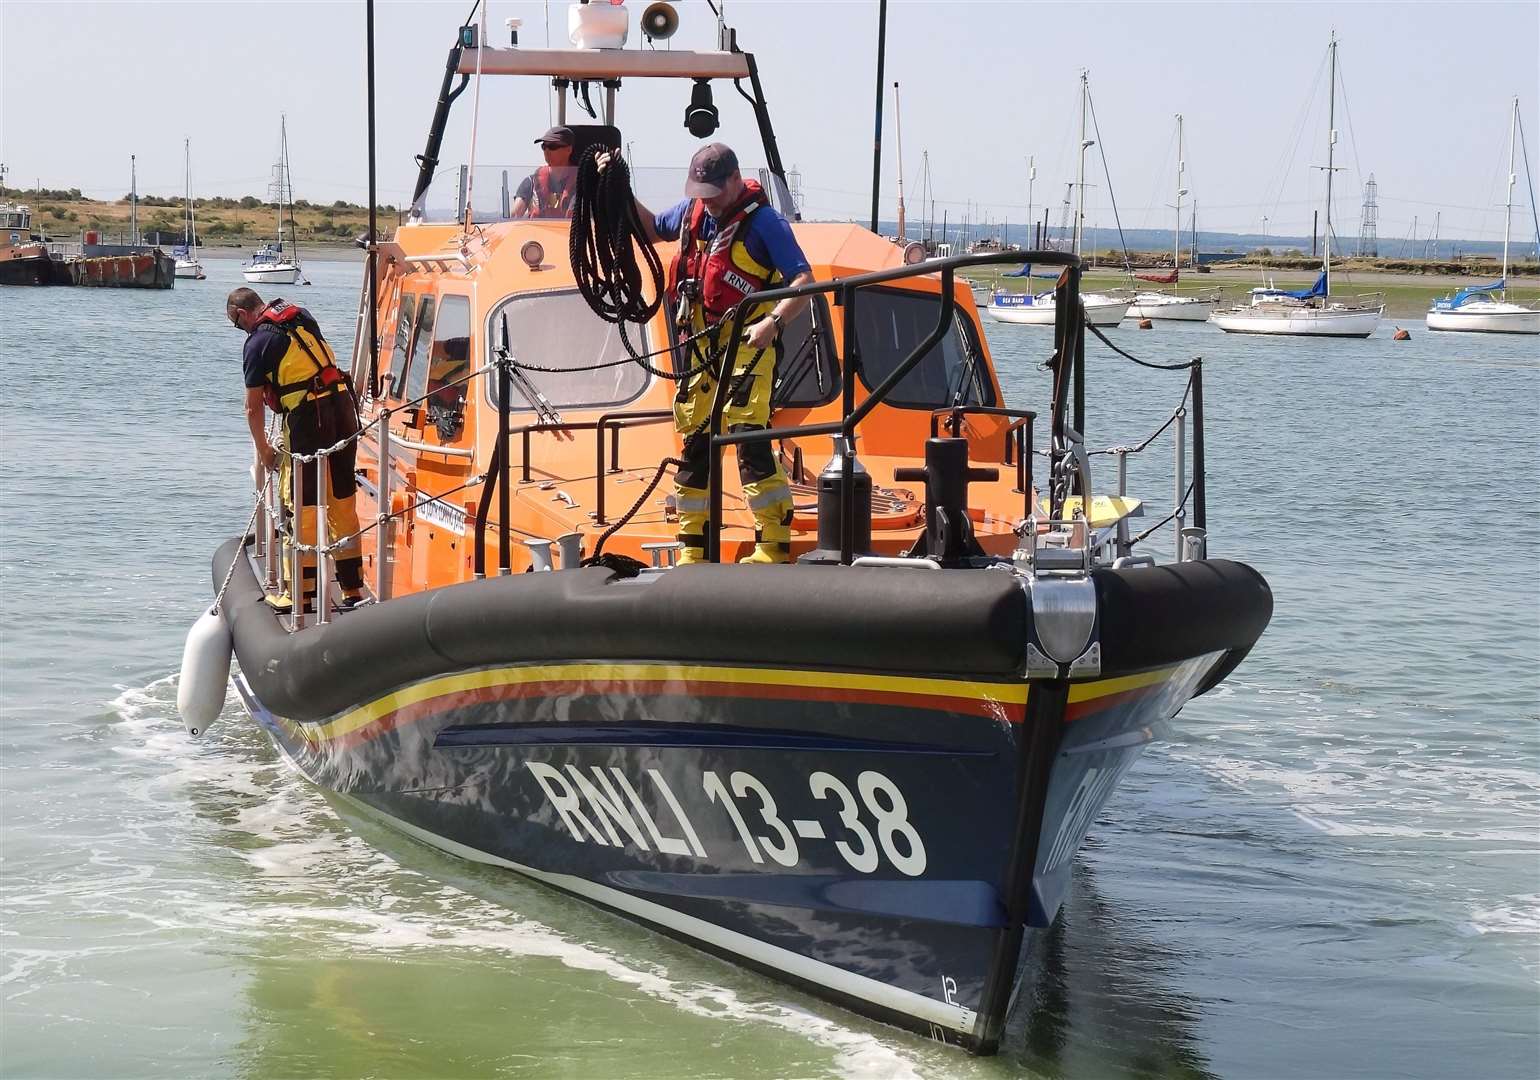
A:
(613, 422)
(853, 414)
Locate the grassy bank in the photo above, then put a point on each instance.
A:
(244, 222)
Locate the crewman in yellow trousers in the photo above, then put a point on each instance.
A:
(732, 244)
(290, 368)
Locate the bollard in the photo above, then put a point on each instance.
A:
(1194, 543)
(571, 547)
(539, 554)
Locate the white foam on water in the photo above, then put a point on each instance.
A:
(1357, 779)
(1522, 916)
(363, 899)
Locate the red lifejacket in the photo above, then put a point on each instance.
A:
(722, 270)
(548, 201)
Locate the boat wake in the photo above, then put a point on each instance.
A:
(309, 878)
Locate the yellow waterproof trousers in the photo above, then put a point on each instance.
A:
(764, 481)
(341, 515)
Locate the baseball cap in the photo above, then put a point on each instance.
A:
(560, 136)
(709, 170)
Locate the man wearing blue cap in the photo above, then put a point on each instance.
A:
(732, 244)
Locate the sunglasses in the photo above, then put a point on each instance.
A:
(552, 146)
(234, 315)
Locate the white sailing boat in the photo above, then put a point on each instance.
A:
(1151, 304)
(187, 264)
(1486, 309)
(1309, 312)
(1037, 310)
(272, 265)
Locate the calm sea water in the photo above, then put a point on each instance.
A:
(1333, 869)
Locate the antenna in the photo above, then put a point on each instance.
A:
(898, 132)
(1368, 228)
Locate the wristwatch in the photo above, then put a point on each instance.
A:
(779, 325)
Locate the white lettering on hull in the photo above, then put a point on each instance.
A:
(609, 798)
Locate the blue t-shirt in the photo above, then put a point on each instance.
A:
(768, 236)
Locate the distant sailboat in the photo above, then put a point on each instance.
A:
(1100, 309)
(1486, 309)
(272, 265)
(1170, 305)
(187, 264)
(1309, 312)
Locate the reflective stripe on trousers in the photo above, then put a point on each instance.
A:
(759, 469)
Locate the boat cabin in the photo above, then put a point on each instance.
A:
(588, 428)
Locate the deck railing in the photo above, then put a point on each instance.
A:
(1069, 344)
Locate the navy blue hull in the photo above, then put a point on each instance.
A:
(855, 839)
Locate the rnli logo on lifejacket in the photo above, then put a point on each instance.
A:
(738, 281)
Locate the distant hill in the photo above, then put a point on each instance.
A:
(1155, 240)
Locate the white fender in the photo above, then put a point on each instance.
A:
(200, 693)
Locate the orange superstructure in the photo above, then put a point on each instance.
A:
(436, 285)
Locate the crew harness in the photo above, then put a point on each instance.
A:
(308, 370)
(709, 278)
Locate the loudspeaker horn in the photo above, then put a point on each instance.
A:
(659, 21)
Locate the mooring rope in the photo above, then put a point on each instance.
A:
(1195, 361)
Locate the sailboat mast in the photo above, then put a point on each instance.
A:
(1331, 145)
(1080, 174)
(1031, 176)
(1176, 233)
(283, 140)
(133, 199)
(1513, 128)
(898, 131)
(187, 194)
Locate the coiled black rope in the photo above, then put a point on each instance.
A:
(606, 231)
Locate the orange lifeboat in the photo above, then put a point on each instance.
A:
(867, 771)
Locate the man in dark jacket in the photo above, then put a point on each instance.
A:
(290, 368)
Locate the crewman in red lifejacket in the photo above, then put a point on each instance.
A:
(732, 244)
(290, 368)
(547, 192)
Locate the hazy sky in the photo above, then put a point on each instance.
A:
(984, 85)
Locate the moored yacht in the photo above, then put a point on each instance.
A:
(272, 264)
(1149, 304)
(866, 773)
(1038, 309)
(187, 264)
(1486, 309)
(1483, 310)
(1311, 312)
(1101, 309)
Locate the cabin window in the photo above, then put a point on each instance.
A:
(417, 366)
(448, 363)
(808, 373)
(406, 311)
(558, 330)
(890, 323)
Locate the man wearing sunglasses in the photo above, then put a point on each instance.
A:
(547, 192)
(290, 368)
